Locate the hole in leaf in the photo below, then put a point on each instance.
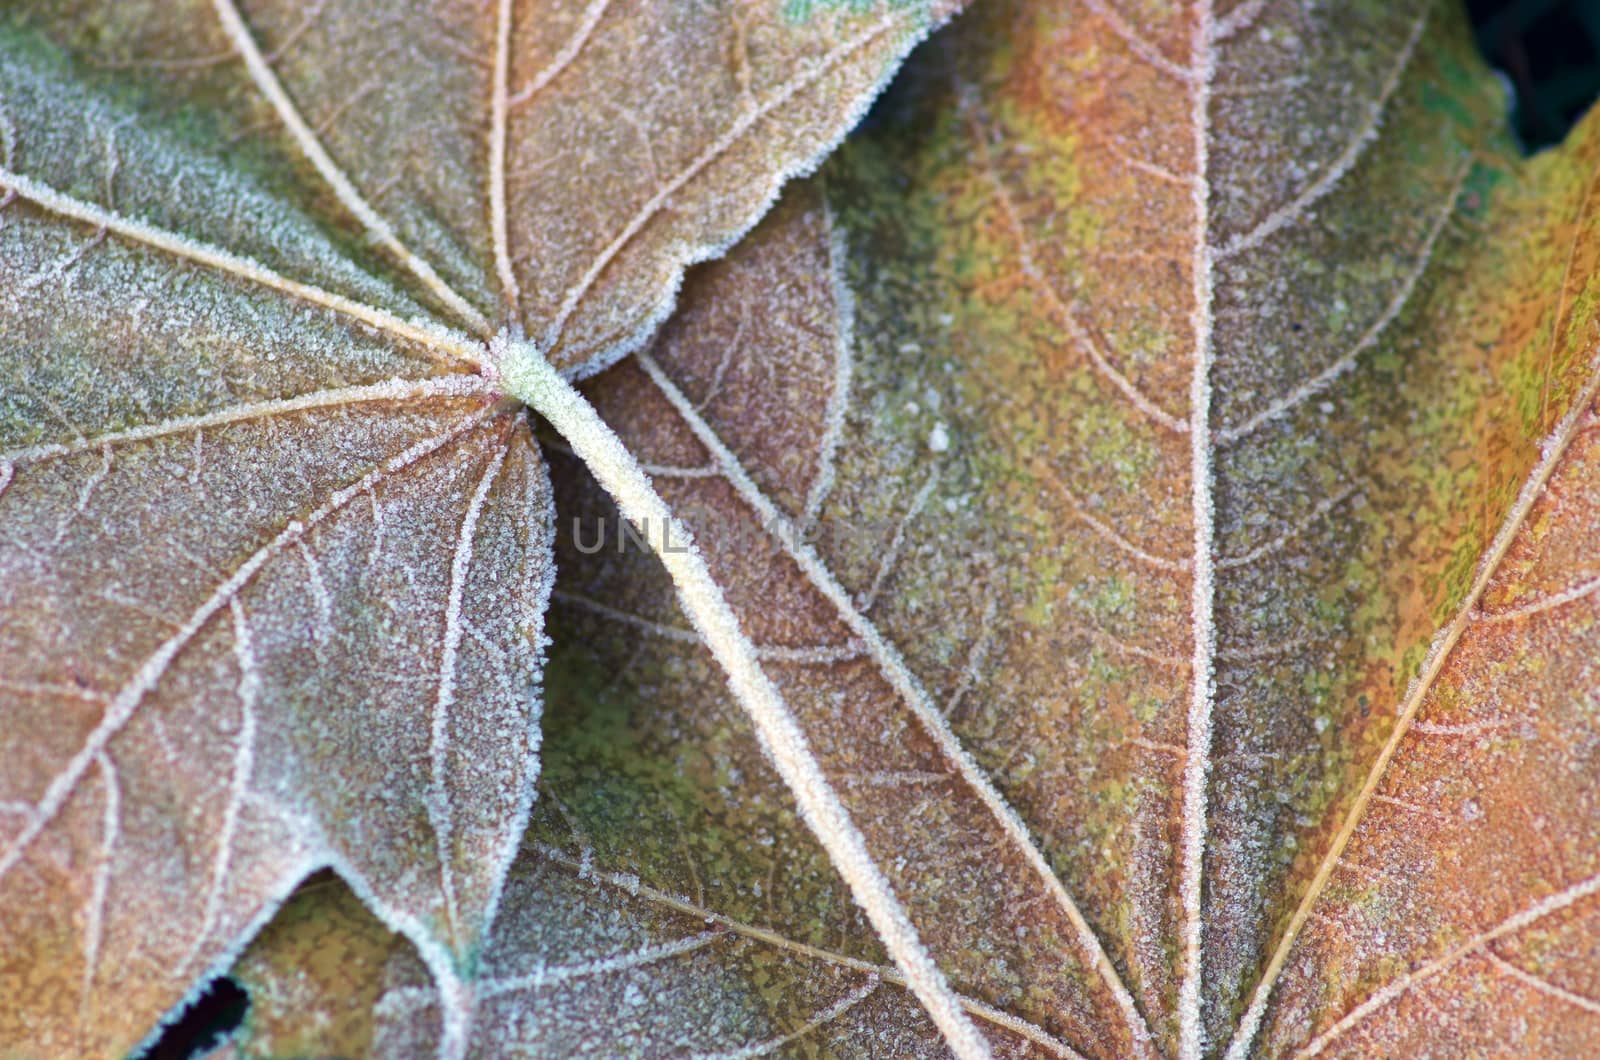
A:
(203, 1023)
(1549, 50)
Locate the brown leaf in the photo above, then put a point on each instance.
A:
(275, 550)
(987, 423)
(253, 557)
(1464, 881)
(548, 164)
(570, 936)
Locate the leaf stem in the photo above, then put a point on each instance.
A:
(526, 375)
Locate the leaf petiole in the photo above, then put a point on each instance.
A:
(526, 375)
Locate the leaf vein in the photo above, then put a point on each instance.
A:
(1336, 170)
(267, 83)
(1417, 976)
(631, 886)
(396, 389)
(1553, 451)
(432, 337)
(1030, 268)
(1309, 389)
(716, 150)
(900, 678)
(1138, 44)
(439, 816)
(127, 701)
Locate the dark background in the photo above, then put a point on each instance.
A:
(1549, 50)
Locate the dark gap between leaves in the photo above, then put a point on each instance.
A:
(203, 1024)
(1549, 51)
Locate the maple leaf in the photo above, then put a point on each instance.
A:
(1124, 485)
(944, 462)
(274, 546)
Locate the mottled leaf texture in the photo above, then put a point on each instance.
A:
(1188, 410)
(274, 549)
(315, 973)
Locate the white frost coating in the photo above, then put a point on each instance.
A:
(535, 596)
(408, 999)
(429, 335)
(1544, 603)
(1531, 915)
(653, 470)
(1197, 756)
(388, 390)
(1030, 268)
(288, 881)
(897, 541)
(885, 973)
(319, 590)
(128, 698)
(439, 740)
(685, 254)
(1138, 44)
(1289, 536)
(94, 919)
(460, 1005)
(627, 618)
(630, 885)
(545, 975)
(718, 148)
(1553, 450)
(85, 494)
(826, 1016)
(1144, 165)
(1544, 986)
(1336, 169)
(174, 175)
(1108, 532)
(815, 654)
(458, 1000)
(509, 291)
(844, 311)
(1238, 20)
(249, 691)
(530, 378)
(1311, 387)
(265, 80)
(905, 685)
(568, 52)
(8, 137)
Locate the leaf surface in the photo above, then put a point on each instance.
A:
(988, 429)
(253, 556)
(841, 679)
(315, 974)
(1467, 886)
(274, 548)
(551, 165)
